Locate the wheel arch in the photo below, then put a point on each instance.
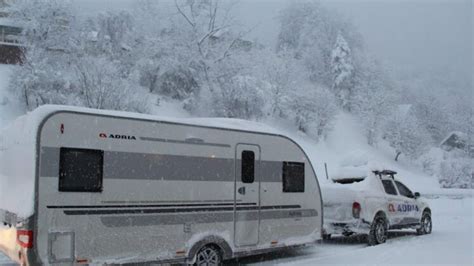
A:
(219, 242)
(427, 209)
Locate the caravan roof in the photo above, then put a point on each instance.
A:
(37, 115)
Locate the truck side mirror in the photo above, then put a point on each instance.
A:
(417, 195)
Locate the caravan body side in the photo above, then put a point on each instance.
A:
(166, 189)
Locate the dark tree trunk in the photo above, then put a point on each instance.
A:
(396, 157)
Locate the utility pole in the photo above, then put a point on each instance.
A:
(326, 168)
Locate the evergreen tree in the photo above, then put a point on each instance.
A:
(343, 72)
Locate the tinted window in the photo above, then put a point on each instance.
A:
(389, 187)
(404, 191)
(293, 177)
(80, 170)
(248, 166)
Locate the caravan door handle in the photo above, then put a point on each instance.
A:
(241, 190)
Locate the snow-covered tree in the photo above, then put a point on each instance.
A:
(404, 133)
(112, 32)
(178, 83)
(40, 81)
(456, 170)
(310, 30)
(240, 97)
(68, 62)
(313, 110)
(99, 85)
(46, 24)
(343, 71)
(284, 74)
(373, 99)
(48, 28)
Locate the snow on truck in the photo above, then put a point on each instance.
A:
(372, 205)
(83, 186)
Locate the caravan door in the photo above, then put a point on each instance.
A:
(246, 195)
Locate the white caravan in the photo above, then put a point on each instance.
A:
(103, 187)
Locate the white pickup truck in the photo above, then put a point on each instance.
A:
(373, 205)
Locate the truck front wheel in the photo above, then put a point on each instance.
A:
(378, 231)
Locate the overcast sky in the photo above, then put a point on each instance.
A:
(405, 34)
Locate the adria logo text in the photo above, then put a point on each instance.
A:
(116, 136)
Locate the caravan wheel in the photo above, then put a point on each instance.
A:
(208, 256)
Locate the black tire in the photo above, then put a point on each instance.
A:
(426, 224)
(378, 231)
(347, 234)
(326, 236)
(208, 255)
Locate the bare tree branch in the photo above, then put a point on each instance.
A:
(231, 45)
(183, 14)
(213, 13)
(209, 34)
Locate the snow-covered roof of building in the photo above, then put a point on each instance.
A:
(455, 139)
(8, 22)
(459, 134)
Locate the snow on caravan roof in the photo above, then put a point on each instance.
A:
(19, 139)
(229, 123)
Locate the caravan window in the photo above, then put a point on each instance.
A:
(293, 177)
(248, 166)
(80, 170)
